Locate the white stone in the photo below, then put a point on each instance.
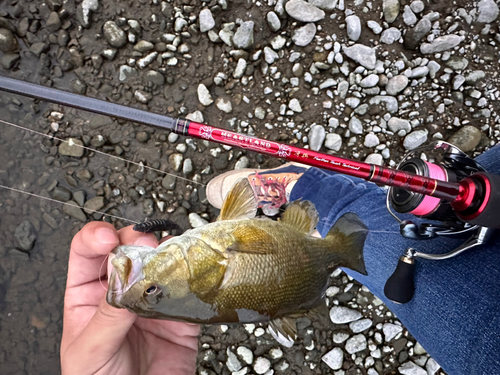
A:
(342, 315)
(360, 325)
(362, 55)
(294, 105)
(487, 11)
(196, 220)
(261, 365)
(204, 96)
(390, 103)
(334, 358)
(415, 139)
(410, 368)
(270, 55)
(396, 124)
(243, 37)
(207, 21)
(353, 27)
(396, 84)
(390, 35)
(440, 44)
(391, 330)
(242, 163)
(316, 137)
(355, 126)
(356, 344)
(303, 11)
(233, 364)
(417, 6)
(371, 140)
(369, 81)
(304, 35)
(376, 159)
(240, 68)
(333, 141)
(245, 354)
(432, 366)
(224, 104)
(374, 26)
(196, 116)
(273, 21)
(409, 17)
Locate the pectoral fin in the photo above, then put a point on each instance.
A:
(301, 216)
(250, 239)
(285, 327)
(240, 202)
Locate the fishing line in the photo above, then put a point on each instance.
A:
(141, 165)
(66, 203)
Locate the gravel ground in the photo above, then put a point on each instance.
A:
(363, 79)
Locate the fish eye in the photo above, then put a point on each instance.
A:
(151, 290)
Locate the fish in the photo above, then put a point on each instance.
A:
(238, 269)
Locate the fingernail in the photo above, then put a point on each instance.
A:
(106, 236)
(145, 241)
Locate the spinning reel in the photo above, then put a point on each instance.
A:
(441, 161)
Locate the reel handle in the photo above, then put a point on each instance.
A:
(400, 287)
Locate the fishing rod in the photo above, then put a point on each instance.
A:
(456, 190)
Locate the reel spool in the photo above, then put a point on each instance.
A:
(444, 162)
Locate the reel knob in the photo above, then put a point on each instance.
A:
(400, 287)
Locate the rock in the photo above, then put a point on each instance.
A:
(240, 68)
(146, 60)
(261, 365)
(360, 325)
(390, 103)
(390, 35)
(458, 81)
(396, 84)
(204, 96)
(487, 11)
(273, 21)
(155, 78)
(72, 147)
(417, 6)
(72, 209)
(196, 116)
(334, 358)
(53, 22)
(243, 37)
(396, 124)
(415, 139)
(8, 42)
(187, 167)
(324, 4)
(342, 315)
(270, 55)
(457, 63)
(353, 27)
(294, 105)
(369, 81)
(410, 368)
(371, 140)
(466, 138)
(25, 236)
(224, 104)
(9, 60)
(93, 204)
(391, 330)
(333, 141)
(352, 102)
(374, 26)
(390, 9)
(362, 55)
(168, 182)
(433, 68)
(143, 96)
(356, 344)
(125, 72)
(419, 72)
(84, 10)
(242, 163)
(196, 220)
(304, 11)
(413, 36)
(114, 35)
(304, 35)
(245, 353)
(355, 126)
(233, 364)
(143, 46)
(207, 21)
(432, 366)
(316, 137)
(409, 17)
(474, 77)
(441, 44)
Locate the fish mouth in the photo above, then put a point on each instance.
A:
(115, 287)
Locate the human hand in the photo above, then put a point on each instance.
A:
(100, 339)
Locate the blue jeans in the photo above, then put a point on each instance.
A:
(455, 312)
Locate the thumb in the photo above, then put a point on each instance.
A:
(103, 336)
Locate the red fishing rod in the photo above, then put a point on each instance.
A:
(475, 198)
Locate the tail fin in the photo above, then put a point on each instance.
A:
(349, 235)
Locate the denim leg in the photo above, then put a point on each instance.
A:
(454, 313)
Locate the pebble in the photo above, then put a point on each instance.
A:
(474, 77)
(240, 68)
(93, 204)
(197, 221)
(353, 27)
(397, 124)
(207, 21)
(391, 330)
(224, 104)
(458, 81)
(270, 55)
(356, 344)
(84, 11)
(233, 364)
(242, 163)
(73, 147)
(25, 236)
(432, 366)
(304, 35)
(261, 365)
(355, 125)
(169, 182)
(390, 9)
(410, 368)
(413, 36)
(146, 60)
(415, 139)
(466, 138)
(390, 35)
(243, 37)
(417, 6)
(273, 21)
(433, 67)
(457, 63)
(374, 26)
(342, 315)
(294, 105)
(390, 103)
(419, 72)
(376, 159)
(360, 325)
(362, 55)
(333, 141)
(204, 96)
(245, 354)
(324, 4)
(371, 140)
(125, 72)
(440, 44)
(303, 11)
(369, 81)
(396, 84)
(72, 209)
(409, 17)
(8, 42)
(487, 11)
(114, 35)
(334, 358)
(316, 137)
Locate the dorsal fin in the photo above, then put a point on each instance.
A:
(301, 216)
(251, 239)
(240, 202)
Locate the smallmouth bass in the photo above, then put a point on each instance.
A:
(239, 269)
